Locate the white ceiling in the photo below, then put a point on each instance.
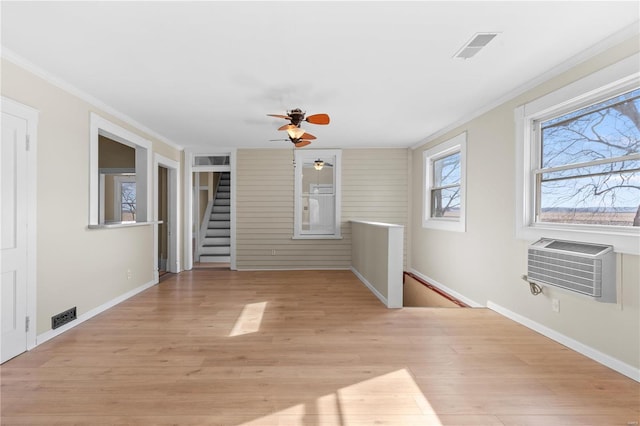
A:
(205, 74)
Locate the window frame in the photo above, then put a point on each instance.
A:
(609, 82)
(457, 144)
(311, 155)
(117, 196)
(101, 126)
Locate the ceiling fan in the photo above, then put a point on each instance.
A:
(298, 136)
(320, 164)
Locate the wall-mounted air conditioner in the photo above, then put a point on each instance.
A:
(585, 268)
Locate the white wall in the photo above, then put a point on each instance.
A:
(75, 266)
(485, 263)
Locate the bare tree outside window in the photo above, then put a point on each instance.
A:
(128, 201)
(590, 165)
(445, 192)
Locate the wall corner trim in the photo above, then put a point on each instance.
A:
(604, 359)
(50, 334)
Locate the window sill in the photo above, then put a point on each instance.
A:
(122, 225)
(316, 237)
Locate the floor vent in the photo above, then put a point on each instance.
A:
(63, 317)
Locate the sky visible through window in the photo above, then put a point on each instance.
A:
(128, 201)
(604, 185)
(445, 195)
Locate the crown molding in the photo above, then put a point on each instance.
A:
(18, 60)
(626, 33)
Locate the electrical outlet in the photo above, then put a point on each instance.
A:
(555, 305)
(128, 274)
(273, 252)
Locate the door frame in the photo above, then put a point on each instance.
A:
(173, 197)
(189, 169)
(31, 115)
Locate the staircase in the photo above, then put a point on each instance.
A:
(216, 245)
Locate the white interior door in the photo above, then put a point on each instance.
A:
(13, 237)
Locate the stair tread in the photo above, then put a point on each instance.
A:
(216, 245)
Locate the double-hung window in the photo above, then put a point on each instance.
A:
(444, 167)
(317, 193)
(579, 158)
(589, 164)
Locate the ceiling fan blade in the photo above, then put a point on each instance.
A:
(308, 136)
(302, 143)
(318, 119)
(286, 127)
(286, 117)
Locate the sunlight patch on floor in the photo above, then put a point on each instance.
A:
(392, 398)
(249, 320)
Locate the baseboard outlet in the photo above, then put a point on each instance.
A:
(453, 293)
(604, 359)
(50, 334)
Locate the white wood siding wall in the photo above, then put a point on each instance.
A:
(374, 188)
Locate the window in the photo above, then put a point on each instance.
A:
(444, 198)
(445, 189)
(579, 161)
(125, 199)
(211, 160)
(120, 167)
(317, 194)
(588, 170)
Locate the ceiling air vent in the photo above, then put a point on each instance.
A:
(477, 42)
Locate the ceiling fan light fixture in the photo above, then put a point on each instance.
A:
(318, 164)
(295, 132)
(297, 135)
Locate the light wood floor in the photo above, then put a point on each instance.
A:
(304, 348)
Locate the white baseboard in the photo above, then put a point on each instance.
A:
(290, 269)
(447, 290)
(370, 287)
(594, 354)
(50, 334)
